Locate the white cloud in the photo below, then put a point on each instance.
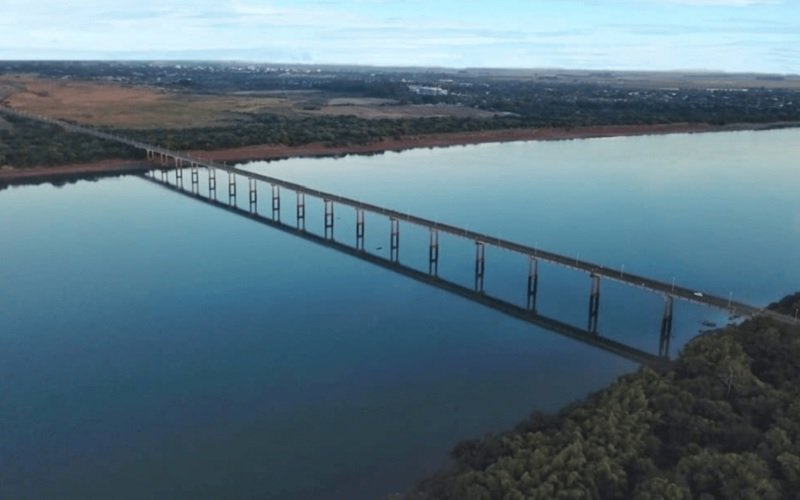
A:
(657, 34)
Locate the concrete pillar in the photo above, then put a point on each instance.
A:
(231, 187)
(195, 178)
(359, 229)
(479, 265)
(301, 210)
(253, 194)
(594, 303)
(394, 240)
(328, 219)
(533, 283)
(433, 252)
(212, 183)
(666, 328)
(276, 202)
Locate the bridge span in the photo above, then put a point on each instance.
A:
(168, 161)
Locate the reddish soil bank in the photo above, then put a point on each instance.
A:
(99, 168)
(267, 152)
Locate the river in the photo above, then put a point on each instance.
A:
(155, 347)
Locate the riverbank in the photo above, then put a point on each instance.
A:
(721, 423)
(67, 173)
(276, 152)
(272, 152)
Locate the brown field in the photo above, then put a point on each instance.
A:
(125, 106)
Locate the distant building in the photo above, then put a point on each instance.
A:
(424, 90)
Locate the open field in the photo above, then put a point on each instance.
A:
(127, 106)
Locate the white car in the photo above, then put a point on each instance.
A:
(698, 294)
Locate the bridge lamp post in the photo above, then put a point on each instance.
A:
(673, 284)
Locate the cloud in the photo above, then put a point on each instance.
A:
(656, 34)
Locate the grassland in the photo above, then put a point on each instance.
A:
(141, 107)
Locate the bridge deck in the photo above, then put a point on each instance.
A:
(507, 308)
(668, 289)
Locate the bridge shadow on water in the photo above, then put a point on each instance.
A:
(431, 278)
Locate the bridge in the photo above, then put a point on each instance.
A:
(172, 165)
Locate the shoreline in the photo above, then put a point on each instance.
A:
(448, 139)
(112, 167)
(71, 172)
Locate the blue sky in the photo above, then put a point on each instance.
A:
(728, 35)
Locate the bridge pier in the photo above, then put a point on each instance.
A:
(666, 328)
(195, 178)
(165, 157)
(276, 202)
(301, 210)
(394, 240)
(433, 253)
(533, 283)
(594, 303)
(212, 183)
(231, 187)
(178, 171)
(253, 195)
(328, 219)
(359, 229)
(480, 250)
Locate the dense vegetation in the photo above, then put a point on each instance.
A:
(789, 305)
(723, 423)
(330, 130)
(31, 143)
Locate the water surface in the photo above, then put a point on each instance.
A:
(155, 347)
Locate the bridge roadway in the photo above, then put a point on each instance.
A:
(594, 339)
(653, 285)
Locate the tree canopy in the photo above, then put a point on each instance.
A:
(723, 422)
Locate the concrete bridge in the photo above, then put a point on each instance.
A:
(174, 164)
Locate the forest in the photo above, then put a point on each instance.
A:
(722, 423)
(28, 143)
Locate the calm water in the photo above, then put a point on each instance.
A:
(155, 347)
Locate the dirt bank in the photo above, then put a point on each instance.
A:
(9, 176)
(268, 152)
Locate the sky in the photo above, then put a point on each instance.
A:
(715, 35)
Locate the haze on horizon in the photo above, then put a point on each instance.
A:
(717, 35)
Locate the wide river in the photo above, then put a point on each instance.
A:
(152, 346)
